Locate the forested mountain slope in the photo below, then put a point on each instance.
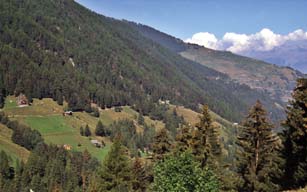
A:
(60, 49)
(277, 81)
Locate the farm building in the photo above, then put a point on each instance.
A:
(67, 113)
(166, 102)
(22, 100)
(67, 147)
(97, 143)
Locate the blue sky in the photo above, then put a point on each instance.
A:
(183, 18)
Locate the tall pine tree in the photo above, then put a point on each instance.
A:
(258, 155)
(87, 131)
(294, 139)
(161, 144)
(183, 139)
(100, 129)
(214, 140)
(200, 138)
(140, 176)
(116, 174)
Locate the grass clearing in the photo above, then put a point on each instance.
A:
(192, 117)
(48, 125)
(108, 116)
(10, 102)
(46, 116)
(39, 107)
(56, 130)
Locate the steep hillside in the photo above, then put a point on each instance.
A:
(277, 81)
(62, 50)
(7, 145)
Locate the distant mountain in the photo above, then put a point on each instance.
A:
(277, 81)
(292, 54)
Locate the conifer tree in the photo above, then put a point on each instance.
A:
(115, 174)
(294, 139)
(100, 129)
(59, 97)
(2, 92)
(258, 156)
(200, 139)
(17, 176)
(6, 173)
(183, 139)
(36, 184)
(141, 120)
(140, 178)
(161, 144)
(81, 131)
(87, 131)
(214, 140)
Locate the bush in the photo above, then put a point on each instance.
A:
(182, 173)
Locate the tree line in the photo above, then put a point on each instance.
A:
(193, 161)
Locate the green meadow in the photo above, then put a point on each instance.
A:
(46, 116)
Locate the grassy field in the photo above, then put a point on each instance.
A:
(49, 125)
(46, 116)
(6, 145)
(10, 102)
(299, 190)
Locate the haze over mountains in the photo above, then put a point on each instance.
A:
(292, 54)
(284, 50)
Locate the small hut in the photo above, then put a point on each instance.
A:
(97, 143)
(67, 113)
(67, 147)
(22, 100)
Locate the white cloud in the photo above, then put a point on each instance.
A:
(205, 39)
(264, 40)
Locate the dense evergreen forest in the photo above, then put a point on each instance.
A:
(61, 50)
(193, 161)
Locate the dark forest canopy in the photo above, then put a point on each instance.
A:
(60, 49)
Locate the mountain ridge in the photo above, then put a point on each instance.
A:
(69, 52)
(244, 70)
